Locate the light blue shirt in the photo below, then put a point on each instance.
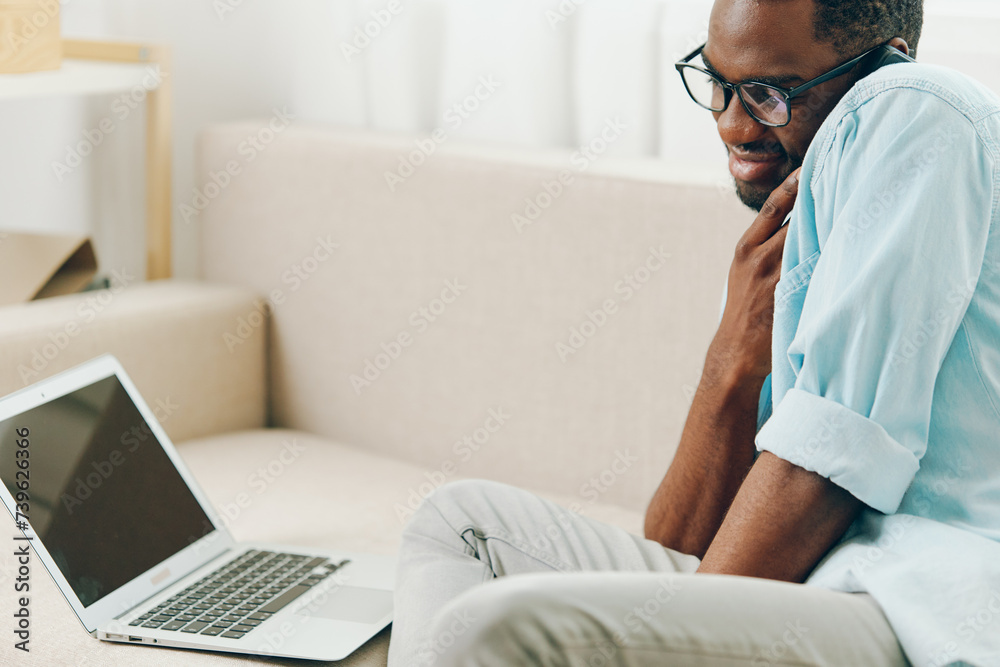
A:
(886, 353)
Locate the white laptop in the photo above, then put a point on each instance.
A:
(138, 551)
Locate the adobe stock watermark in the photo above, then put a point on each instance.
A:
(273, 639)
(294, 277)
(893, 530)
(454, 118)
(31, 26)
(637, 619)
(581, 160)
(599, 484)
(774, 654)
(591, 491)
(91, 306)
(365, 34)
(693, 41)
(92, 478)
(889, 196)
(121, 108)
(566, 8)
(928, 330)
(444, 638)
(981, 620)
(420, 320)
(463, 449)
(223, 8)
(919, 500)
(829, 429)
(666, 590)
(249, 150)
(259, 481)
(924, 498)
(625, 289)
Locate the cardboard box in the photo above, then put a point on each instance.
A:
(29, 36)
(35, 266)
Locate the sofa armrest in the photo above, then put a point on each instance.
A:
(182, 343)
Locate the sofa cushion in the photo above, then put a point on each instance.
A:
(277, 486)
(182, 344)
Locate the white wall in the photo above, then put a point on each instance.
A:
(223, 69)
(559, 82)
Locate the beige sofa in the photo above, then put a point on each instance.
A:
(414, 336)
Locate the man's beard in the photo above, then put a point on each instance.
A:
(754, 196)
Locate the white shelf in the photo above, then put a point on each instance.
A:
(79, 77)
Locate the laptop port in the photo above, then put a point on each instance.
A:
(134, 639)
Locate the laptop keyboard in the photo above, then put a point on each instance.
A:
(239, 596)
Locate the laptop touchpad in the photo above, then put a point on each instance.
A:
(352, 603)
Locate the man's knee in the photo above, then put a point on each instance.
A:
(446, 508)
(464, 492)
(459, 490)
(460, 497)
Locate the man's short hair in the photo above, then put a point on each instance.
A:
(854, 26)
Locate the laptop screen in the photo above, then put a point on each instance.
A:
(106, 500)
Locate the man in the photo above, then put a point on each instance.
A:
(845, 430)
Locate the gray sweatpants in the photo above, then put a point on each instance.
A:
(490, 574)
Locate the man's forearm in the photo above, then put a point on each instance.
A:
(782, 522)
(714, 456)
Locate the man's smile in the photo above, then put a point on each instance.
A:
(754, 166)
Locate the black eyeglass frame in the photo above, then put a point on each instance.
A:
(788, 93)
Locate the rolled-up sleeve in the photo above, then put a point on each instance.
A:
(901, 196)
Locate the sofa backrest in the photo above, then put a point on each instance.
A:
(540, 320)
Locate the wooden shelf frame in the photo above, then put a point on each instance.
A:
(159, 138)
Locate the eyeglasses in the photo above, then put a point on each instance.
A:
(767, 104)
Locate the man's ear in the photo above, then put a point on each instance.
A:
(900, 44)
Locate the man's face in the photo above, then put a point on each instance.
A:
(771, 40)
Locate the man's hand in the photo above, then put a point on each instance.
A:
(717, 446)
(783, 521)
(743, 341)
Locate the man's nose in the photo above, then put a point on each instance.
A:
(737, 127)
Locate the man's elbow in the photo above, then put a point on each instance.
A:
(656, 529)
(650, 529)
(653, 526)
